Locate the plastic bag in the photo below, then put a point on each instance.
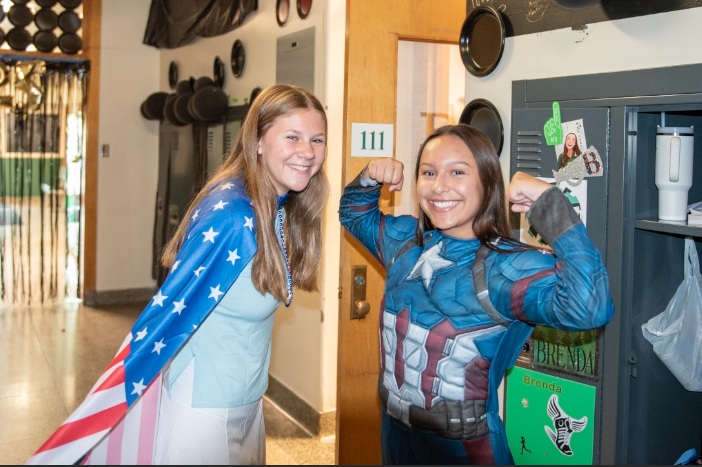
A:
(676, 334)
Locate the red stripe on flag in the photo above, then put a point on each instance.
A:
(120, 356)
(115, 379)
(73, 431)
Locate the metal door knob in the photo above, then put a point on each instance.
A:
(362, 308)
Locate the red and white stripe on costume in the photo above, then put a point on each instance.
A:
(93, 420)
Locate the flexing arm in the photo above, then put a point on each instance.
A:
(567, 290)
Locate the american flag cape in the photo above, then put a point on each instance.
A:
(220, 242)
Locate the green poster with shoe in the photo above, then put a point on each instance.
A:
(549, 420)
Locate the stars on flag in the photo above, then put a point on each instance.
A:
(141, 335)
(220, 205)
(199, 270)
(209, 235)
(158, 346)
(158, 299)
(233, 256)
(179, 306)
(249, 223)
(216, 293)
(195, 216)
(175, 265)
(226, 186)
(139, 387)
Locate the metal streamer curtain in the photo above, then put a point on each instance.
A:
(42, 147)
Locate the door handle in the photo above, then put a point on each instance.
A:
(359, 306)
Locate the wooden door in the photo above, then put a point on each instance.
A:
(373, 29)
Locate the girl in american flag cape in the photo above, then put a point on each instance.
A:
(186, 385)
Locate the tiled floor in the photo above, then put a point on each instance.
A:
(51, 356)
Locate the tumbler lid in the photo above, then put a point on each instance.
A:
(675, 130)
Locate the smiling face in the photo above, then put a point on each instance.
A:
(570, 141)
(293, 150)
(448, 186)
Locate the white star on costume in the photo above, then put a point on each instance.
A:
(194, 326)
(199, 270)
(175, 266)
(220, 205)
(158, 346)
(209, 235)
(179, 306)
(226, 186)
(249, 223)
(197, 213)
(215, 293)
(138, 387)
(141, 335)
(429, 262)
(158, 299)
(233, 257)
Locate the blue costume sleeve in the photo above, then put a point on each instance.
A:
(564, 289)
(382, 235)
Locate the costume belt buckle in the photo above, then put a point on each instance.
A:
(399, 409)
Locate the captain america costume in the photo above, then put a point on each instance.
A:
(443, 353)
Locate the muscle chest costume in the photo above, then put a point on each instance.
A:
(443, 353)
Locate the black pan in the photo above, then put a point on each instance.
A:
(482, 41)
(19, 39)
(481, 114)
(45, 41)
(70, 43)
(209, 104)
(46, 3)
(2, 37)
(219, 72)
(46, 19)
(169, 111)
(20, 2)
(303, 8)
(282, 11)
(181, 108)
(173, 75)
(20, 16)
(203, 82)
(238, 58)
(183, 87)
(153, 106)
(70, 4)
(69, 21)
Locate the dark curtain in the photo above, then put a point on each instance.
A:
(175, 23)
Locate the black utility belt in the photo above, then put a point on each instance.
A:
(448, 419)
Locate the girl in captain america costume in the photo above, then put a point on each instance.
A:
(462, 297)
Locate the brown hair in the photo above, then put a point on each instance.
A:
(490, 222)
(304, 209)
(576, 148)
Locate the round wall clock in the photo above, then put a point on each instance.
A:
(282, 11)
(303, 8)
(482, 40)
(238, 58)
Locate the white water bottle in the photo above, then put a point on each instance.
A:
(674, 154)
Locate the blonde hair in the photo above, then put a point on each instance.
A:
(304, 210)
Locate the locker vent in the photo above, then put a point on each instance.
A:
(529, 148)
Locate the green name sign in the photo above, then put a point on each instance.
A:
(549, 420)
(572, 353)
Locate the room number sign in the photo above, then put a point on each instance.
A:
(372, 140)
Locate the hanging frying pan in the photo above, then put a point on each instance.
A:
(203, 83)
(303, 8)
(173, 75)
(481, 114)
(153, 106)
(577, 3)
(20, 15)
(20, 2)
(282, 11)
(209, 104)
(46, 19)
(19, 39)
(183, 87)
(169, 111)
(69, 21)
(70, 43)
(238, 58)
(45, 41)
(482, 41)
(70, 4)
(254, 94)
(181, 108)
(219, 72)
(46, 3)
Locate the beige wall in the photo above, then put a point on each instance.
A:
(127, 179)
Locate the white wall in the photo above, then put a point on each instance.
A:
(304, 346)
(127, 179)
(665, 39)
